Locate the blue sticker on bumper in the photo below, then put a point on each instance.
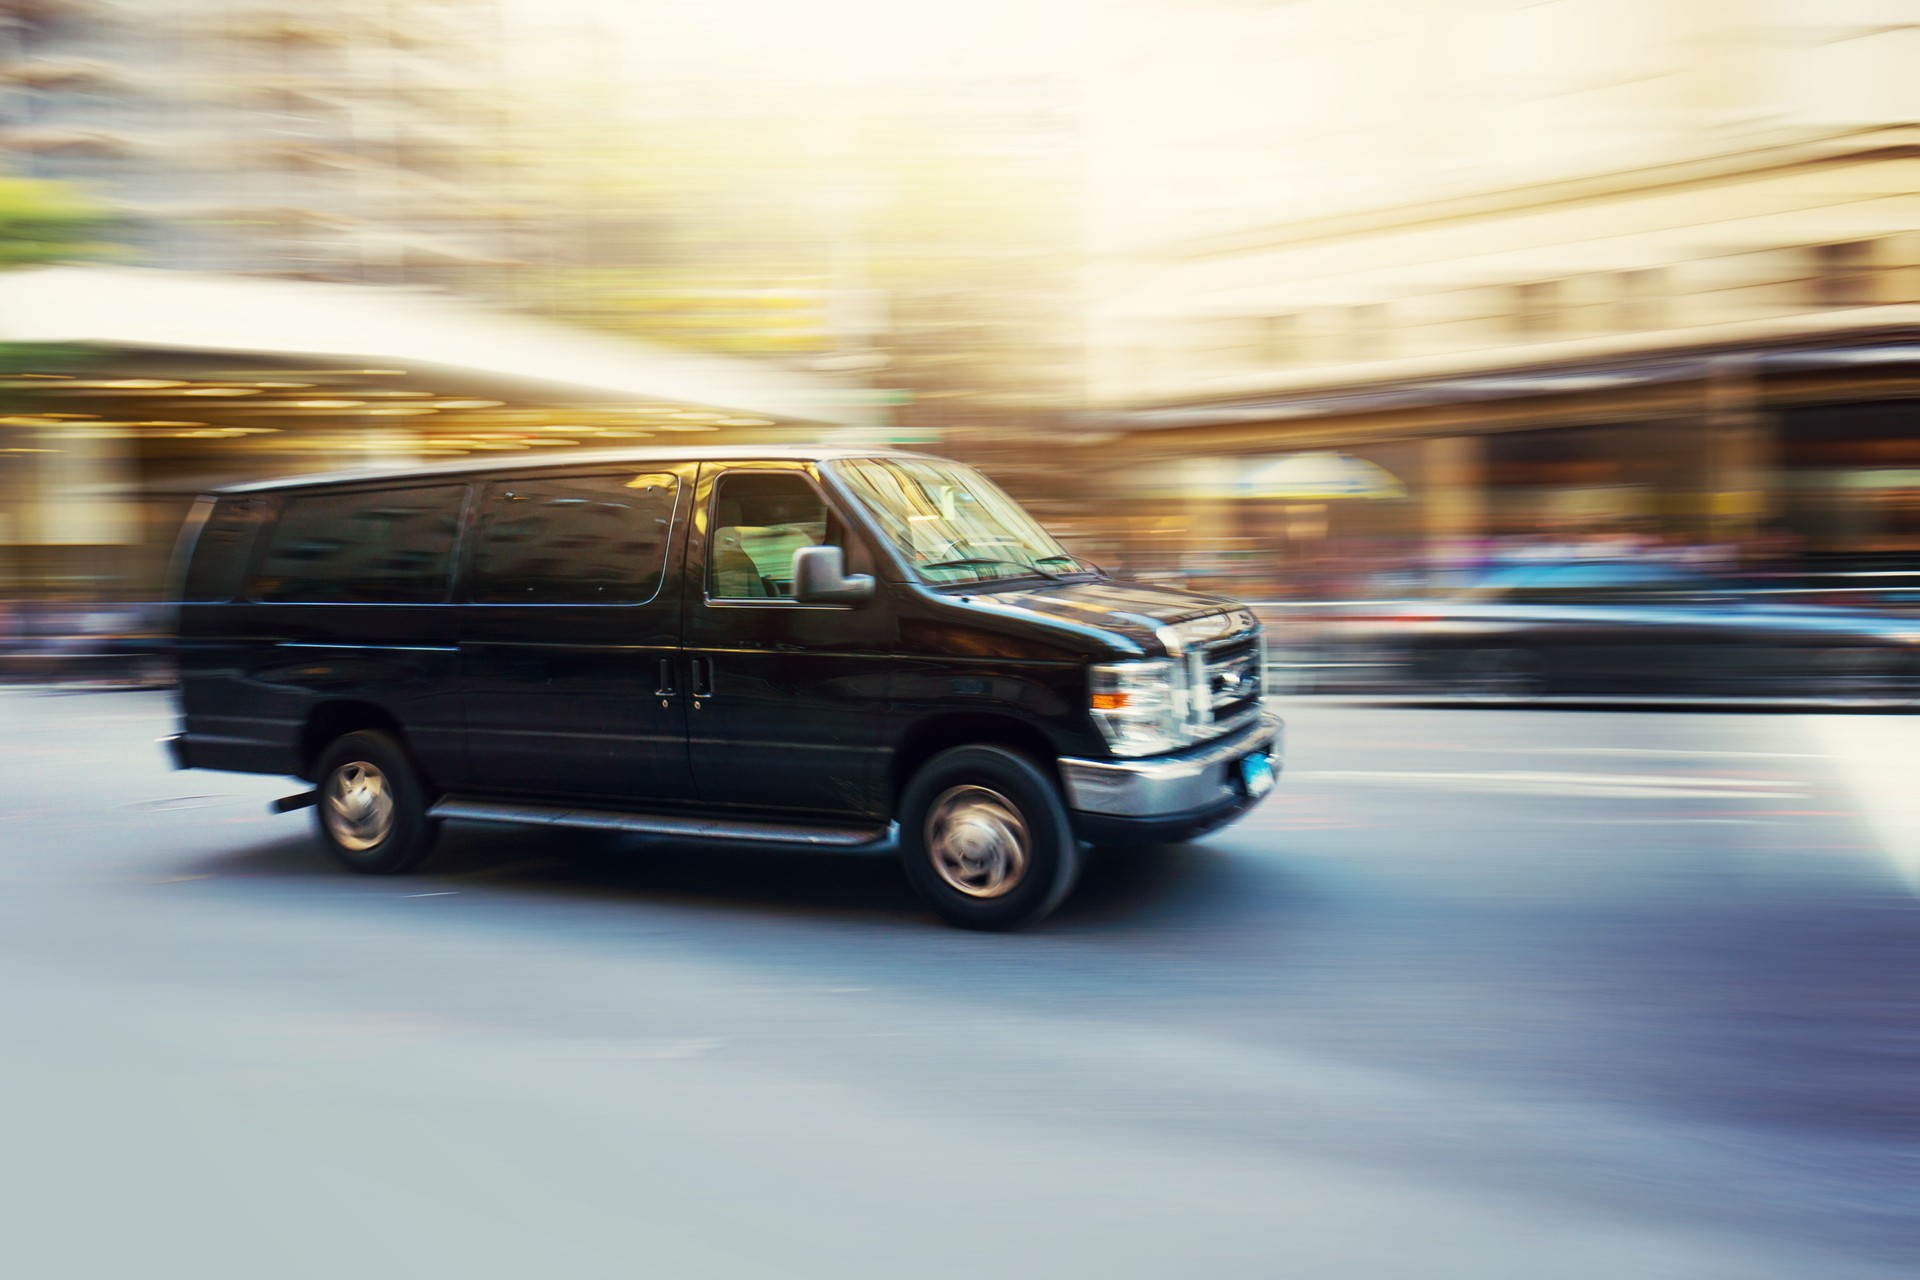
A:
(1256, 774)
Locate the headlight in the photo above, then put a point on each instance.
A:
(1141, 707)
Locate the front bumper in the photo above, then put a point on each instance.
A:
(1167, 797)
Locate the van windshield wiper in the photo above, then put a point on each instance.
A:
(967, 562)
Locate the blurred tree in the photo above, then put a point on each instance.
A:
(43, 222)
(47, 222)
(701, 234)
(926, 253)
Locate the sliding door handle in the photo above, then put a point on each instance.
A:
(666, 679)
(703, 677)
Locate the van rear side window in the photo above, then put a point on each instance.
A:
(389, 546)
(221, 551)
(573, 539)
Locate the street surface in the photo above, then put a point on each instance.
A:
(1537, 994)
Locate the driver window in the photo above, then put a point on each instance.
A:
(759, 519)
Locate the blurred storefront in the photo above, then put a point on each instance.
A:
(1814, 468)
(1850, 480)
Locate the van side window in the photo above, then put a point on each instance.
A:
(759, 520)
(220, 552)
(391, 546)
(573, 539)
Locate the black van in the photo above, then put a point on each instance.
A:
(835, 650)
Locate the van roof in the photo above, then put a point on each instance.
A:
(522, 463)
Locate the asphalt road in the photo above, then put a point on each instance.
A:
(1477, 994)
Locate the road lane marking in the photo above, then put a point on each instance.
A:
(1671, 820)
(1648, 786)
(1708, 752)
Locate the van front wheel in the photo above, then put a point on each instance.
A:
(985, 838)
(372, 808)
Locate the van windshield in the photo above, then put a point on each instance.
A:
(953, 524)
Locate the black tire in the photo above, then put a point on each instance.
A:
(986, 802)
(345, 771)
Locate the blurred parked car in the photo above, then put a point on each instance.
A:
(1643, 628)
(98, 642)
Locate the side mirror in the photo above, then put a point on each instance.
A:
(820, 577)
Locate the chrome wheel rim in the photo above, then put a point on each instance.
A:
(358, 806)
(978, 841)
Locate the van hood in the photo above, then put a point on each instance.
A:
(1129, 611)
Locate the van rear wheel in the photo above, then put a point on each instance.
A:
(371, 812)
(985, 838)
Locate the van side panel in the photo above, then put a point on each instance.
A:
(257, 672)
(400, 663)
(963, 658)
(211, 647)
(787, 708)
(570, 640)
(254, 677)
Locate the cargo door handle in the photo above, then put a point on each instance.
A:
(666, 679)
(703, 677)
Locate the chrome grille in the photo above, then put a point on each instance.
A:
(1225, 680)
(1230, 672)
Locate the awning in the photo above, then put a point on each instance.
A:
(1572, 378)
(1320, 476)
(137, 308)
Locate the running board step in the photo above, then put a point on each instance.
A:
(810, 835)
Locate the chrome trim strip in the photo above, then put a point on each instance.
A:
(1178, 783)
(822, 837)
(1239, 721)
(371, 648)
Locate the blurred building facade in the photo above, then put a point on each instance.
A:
(1568, 269)
(357, 140)
(901, 250)
(918, 240)
(374, 143)
(1563, 269)
(904, 251)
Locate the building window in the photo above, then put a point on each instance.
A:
(1280, 340)
(1233, 339)
(1367, 331)
(1843, 274)
(1639, 300)
(1536, 309)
